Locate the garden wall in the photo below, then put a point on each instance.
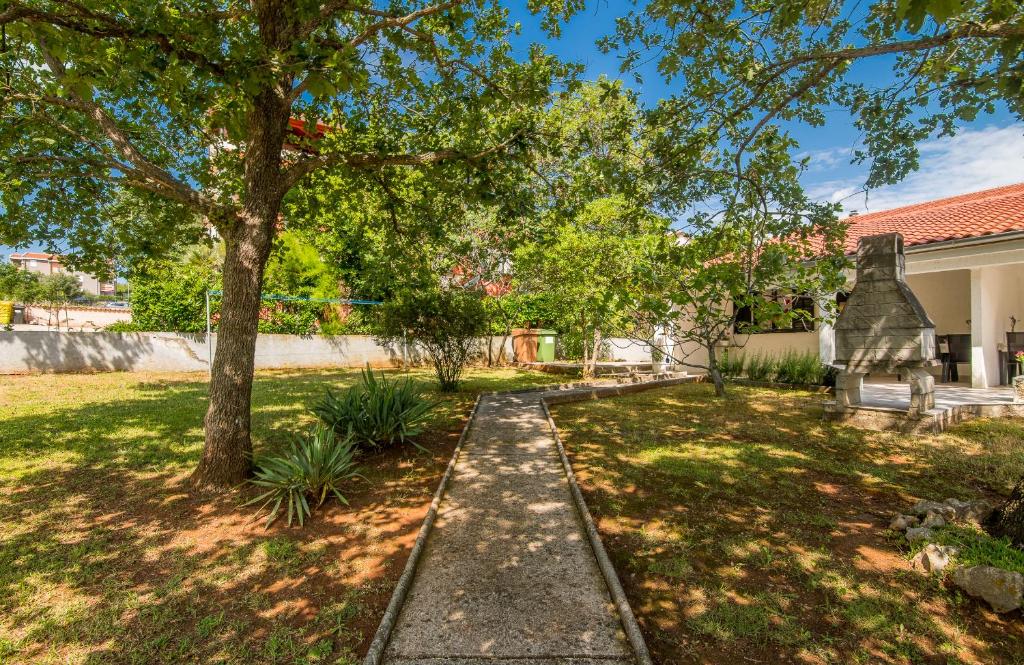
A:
(51, 351)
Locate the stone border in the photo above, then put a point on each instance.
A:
(750, 383)
(611, 578)
(387, 623)
(933, 421)
(575, 393)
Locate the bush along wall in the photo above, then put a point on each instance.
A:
(791, 368)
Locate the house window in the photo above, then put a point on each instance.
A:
(33, 263)
(801, 322)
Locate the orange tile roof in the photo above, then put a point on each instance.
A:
(991, 211)
(35, 255)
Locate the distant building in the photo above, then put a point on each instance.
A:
(50, 264)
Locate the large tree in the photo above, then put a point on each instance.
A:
(191, 106)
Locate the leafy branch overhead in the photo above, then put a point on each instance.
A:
(738, 70)
(416, 85)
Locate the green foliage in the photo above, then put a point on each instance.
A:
(123, 327)
(731, 364)
(792, 367)
(377, 412)
(977, 548)
(171, 296)
(800, 368)
(446, 322)
(762, 368)
(300, 479)
(56, 290)
(16, 284)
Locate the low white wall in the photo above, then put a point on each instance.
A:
(776, 344)
(77, 318)
(51, 351)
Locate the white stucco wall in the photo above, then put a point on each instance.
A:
(50, 351)
(997, 292)
(946, 297)
(777, 344)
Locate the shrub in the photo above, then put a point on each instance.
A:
(301, 479)
(800, 368)
(122, 327)
(447, 323)
(761, 368)
(730, 365)
(377, 412)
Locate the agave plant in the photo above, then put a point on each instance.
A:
(378, 412)
(300, 480)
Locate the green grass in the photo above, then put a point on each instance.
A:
(106, 558)
(748, 529)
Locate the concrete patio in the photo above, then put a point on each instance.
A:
(947, 396)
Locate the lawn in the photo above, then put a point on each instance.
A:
(750, 531)
(106, 558)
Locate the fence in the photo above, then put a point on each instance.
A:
(52, 351)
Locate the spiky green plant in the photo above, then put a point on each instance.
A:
(761, 368)
(310, 470)
(731, 364)
(378, 412)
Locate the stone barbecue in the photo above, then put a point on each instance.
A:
(884, 328)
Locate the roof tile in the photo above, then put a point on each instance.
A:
(991, 211)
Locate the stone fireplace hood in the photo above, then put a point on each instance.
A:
(883, 328)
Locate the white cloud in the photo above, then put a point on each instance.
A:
(822, 160)
(973, 160)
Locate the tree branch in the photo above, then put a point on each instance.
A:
(109, 27)
(966, 31)
(365, 161)
(171, 186)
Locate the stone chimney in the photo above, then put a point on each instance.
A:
(884, 328)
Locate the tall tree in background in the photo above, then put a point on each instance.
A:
(725, 163)
(190, 107)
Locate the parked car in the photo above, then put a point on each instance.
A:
(117, 304)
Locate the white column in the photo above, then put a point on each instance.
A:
(826, 340)
(986, 327)
(979, 376)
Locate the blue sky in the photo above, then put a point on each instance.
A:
(988, 152)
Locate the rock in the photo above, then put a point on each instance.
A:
(956, 504)
(915, 534)
(1002, 589)
(903, 522)
(933, 558)
(923, 507)
(976, 512)
(933, 520)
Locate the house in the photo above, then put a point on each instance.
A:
(50, 264)
(965, 263)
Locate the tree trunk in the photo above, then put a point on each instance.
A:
(596, 352)
(227, 455)
(716, 375)
(1008, 520)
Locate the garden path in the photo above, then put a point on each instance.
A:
(508, 574)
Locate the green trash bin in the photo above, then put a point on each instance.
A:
(546, 345)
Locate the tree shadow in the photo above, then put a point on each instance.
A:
(106, 557)
(749, 528)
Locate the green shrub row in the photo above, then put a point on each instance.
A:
(791, 367)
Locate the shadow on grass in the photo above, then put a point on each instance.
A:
(749, 528)
(105, 557)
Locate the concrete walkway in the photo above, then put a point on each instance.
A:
(508, 575)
